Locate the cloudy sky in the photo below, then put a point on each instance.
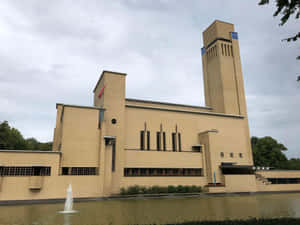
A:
(54, 51)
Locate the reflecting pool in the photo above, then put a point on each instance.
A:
(147, 211)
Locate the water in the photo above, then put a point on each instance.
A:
(69, 202)
(155, 210)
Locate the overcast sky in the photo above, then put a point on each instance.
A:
(55, 51)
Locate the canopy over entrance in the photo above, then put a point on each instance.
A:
(230, 168)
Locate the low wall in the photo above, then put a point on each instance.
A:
(279, 173)
(279, 187)
(17, 188)
(240, 183)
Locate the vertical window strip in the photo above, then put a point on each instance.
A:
(222, 49)
(174, 142)
(164, 141)
(228, 49)
(179, 142)
(148, 140)
(142, 138)
(113, 162)
(158, 141)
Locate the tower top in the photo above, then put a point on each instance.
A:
(217, 30)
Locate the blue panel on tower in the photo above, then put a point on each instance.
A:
(234, 35)
(203, 51)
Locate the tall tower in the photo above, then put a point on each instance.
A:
(222, 72)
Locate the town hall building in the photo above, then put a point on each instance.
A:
(120, 142)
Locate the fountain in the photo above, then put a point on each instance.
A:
(69, 202)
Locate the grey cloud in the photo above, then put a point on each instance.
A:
(55, 52)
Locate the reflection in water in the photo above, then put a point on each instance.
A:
(149, 211)
(67, 219)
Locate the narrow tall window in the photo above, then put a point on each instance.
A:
(113, 161)
(142, 142)
(225, 46)
(179, 142)
(158, 141)
(231, 50)
(148, 140)
(174, 142)
(164, 141)
(222, 49)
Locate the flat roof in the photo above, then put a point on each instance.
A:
(78, 106)
(30, 151)
(184, 111)
(166, 103)
(236, 166)
(107, 71)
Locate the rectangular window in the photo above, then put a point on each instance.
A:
(179, 142)
(148, 140)
(158, 141)
(160, 172)
(164, 141)
(174, 142)
(113, 160)
(101, 117)
(25, 171)
(65, 171)
(142, 138)
(79, 171)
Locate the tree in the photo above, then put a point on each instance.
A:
(286, 8)
(268, 152)
(12, 139)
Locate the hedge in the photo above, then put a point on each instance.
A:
(136, 189)
(254, 221)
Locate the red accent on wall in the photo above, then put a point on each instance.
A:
(101, 92)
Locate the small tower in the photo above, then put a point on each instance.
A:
(222, 73)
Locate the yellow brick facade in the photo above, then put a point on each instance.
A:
(120, 142)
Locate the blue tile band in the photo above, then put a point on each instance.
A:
(234, 35)
(203, 51)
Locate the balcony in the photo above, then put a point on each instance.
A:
(35, 183)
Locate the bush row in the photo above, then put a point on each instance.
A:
(275, 221)
(136, 189)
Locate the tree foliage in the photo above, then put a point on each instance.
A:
(268, 152)
(12, 139)
(286, 8)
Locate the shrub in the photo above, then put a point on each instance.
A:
(194, 189)
(179, 189)
(134, 190)
(186, 189)
(171, 189)
(143, 190)
(123, 191)
(163, 189)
